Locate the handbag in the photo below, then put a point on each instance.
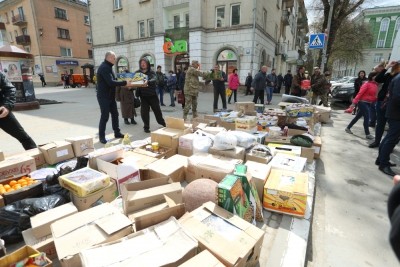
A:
(228, 92)
(136, 102)
(181, 98)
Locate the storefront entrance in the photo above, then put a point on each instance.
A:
(181, 61)
(122, 64)
(227, 61)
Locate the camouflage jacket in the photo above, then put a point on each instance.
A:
(319, 84)
(192, 83)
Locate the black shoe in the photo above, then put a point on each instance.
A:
(229, 102)
(387, 170)
(147, 130)
(126, 121)
(162, 105)
(103, 141)
(118, 135)
(377, 163)
(373, 145)
(172, 105)
(133, 121)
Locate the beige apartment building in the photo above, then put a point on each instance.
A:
(56, 32)
(173, 32)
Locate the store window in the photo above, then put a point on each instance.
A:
(122, 64)
(181, 61)
(227, 60)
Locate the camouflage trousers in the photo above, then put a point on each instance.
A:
(190, 103)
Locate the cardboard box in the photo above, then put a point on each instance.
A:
(57, 151)
(186, 141)
(82, 145)
(101, 196)
(185, 152)
(169, 136)
(260, 137)
(88, 228)
(107, 154)
(308, 153)
(21, 254)
(257, 158)
(164, 152)
(173, 168)
(165, 244)
(232, 197)
(323, 114)
(209, 166)
(16, 165)
(317, 147)
(247, 124)
(278, 140)
(37, 155)
(122, 170)
(286, 192)
(246, 107)
(259, 173)
(44, 244)
(30, 191)
(214, 130)
(288, 162)
(231, 239)
(204, 258)
(236, 153)
(41, 222)
(84, 181)
(285, 149)
(140, 161)
(213, 117)
(227, 125)
(145, 194)
(197, 121)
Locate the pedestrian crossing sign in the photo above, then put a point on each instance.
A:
(317, 41)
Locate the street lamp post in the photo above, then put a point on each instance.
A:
(324, 56)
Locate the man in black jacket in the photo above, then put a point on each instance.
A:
(393, 135)
(249, 80)
(287, 81)
(8, 122)
(148, 96)
(105, 89)
(258, 85)
(218, 78)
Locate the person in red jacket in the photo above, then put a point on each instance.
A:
(233, 84)
(364, 99)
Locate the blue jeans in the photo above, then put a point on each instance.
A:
(172, 95)
(363, 111)
(270, 92)
(389, 142)
(380, 121)
(160, 93)
(372, 114)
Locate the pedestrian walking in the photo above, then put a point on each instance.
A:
(233, 84)
(372, 111)
(8, 122)
(126, 97)
(181, 85)
(393, 135)
(247, 83)
(105, 88)
(42, 79)
(365, 98)
(171, 84)
(160, 79)
(279, 84)
(271, 83)
(258, 85)
(384, 78)
(287, 81)
(320, 87)
(67, 80)
(218, 78)
(361, 78)
(296, 82)
(148, 96)
(192, 86)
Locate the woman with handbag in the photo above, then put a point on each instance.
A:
(233, 84)
(126, 97)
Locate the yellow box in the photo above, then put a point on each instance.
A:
(84, 181)
(286, 192)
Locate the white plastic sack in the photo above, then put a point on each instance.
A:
(225, 141)
(201, 144)
(203, 133)
(244, 139)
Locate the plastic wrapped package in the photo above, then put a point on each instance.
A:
(203, 133)
(225, 141)
(244, 139)
(201, 144)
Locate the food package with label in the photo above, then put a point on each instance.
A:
(299, 110)
(248, 124)
(133, 78)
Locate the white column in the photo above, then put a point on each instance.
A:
(158, 51)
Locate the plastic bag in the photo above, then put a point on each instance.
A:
(225, 141)
(15, 218)
(201, 144)
(244, 139)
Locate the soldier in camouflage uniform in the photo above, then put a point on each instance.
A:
(191, 88)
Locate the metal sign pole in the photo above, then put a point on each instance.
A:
(324, 63)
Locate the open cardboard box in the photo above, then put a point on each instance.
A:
(169, 136)
(21, 254)
(173, 168)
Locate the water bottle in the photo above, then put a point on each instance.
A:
(317, 129)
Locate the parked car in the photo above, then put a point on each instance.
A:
(346, 80)
(343, 92)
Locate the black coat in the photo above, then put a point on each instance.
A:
(181, 81)
(249, 80)
(393, 104)
(150, 90)
(287, 80)
(106, 82)
(218, 84)
(259, 81)
(7, 92)
(394, 217)
(357, 84)
(385, 78)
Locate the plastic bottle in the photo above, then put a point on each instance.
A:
(317, 129)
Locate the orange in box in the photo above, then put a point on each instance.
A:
(286, 192)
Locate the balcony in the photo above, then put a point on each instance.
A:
(23, 40)
(19, 20)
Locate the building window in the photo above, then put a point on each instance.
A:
(90, 53)
(220, 17)
(119, 34)
(396, 29)
(88, 38)
(63, 33)
(60, 13)
(65, 52)
(187, 20)
(235, 15)
(378, 58)
(142, 33)
(383, 30)
(150, 27)
(117, 4)
(177, 21)
(227, 60)
(24, 31)
(86, 20)
(265, 20)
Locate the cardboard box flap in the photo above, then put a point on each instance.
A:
(288, 181)
(170, 132)
(154, 190)
(175, 123)
(113, 223)
(54, 144)
(144, 185)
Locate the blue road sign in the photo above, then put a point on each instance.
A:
(317, 41)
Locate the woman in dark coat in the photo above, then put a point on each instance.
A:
(125, 96)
